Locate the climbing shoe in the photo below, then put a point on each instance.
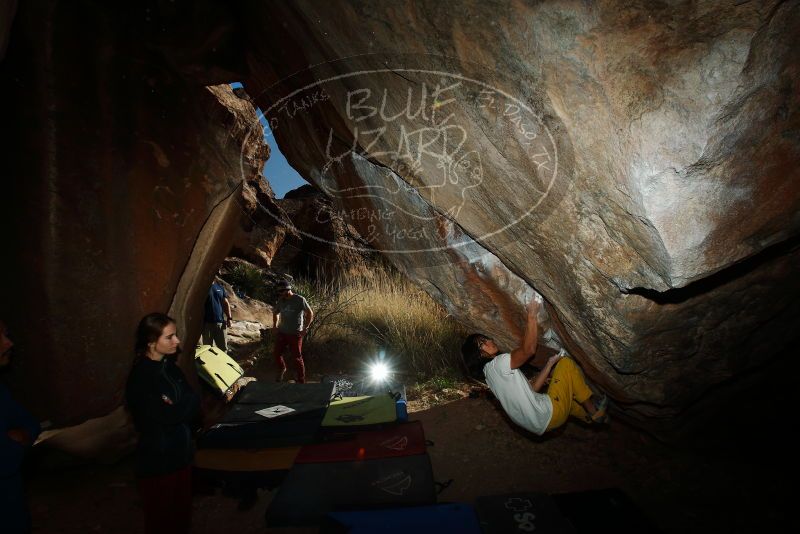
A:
(601, 414)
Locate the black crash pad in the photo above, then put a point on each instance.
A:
(284, 393)
(298, 430)
(521, 512)
(243, 428)
(311, 491)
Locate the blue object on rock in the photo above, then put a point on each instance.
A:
(402, 409)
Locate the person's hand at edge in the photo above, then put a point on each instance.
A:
(20, 435)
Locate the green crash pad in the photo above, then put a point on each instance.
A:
(218, 369)
(360, 411)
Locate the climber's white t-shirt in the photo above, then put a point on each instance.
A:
(525, 407)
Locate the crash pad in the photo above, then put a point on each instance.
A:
(397, 440)
(284, 393)
(284, 431)
(311, 491)
(521, 512)
(360, 411)
(216, 368)
(270, 415)
(247, 460)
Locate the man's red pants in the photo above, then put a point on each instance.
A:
(167, 502)
(295, 344)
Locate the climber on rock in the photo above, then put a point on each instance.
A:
(567, 393)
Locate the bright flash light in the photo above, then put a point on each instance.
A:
(379, 372)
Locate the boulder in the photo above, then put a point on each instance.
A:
(634, 163)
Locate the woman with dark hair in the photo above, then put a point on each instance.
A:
(164, 409)
(566, 395)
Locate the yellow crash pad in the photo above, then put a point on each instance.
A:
(218, 369)
(358, 411)
(246, 459)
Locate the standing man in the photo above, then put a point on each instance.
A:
(295, 317)
(18, 431)
(217, 316)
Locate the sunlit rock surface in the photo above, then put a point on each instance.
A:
(264, 224)
(320, 242)
(301, 233)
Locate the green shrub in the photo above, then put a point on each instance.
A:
(250, 281)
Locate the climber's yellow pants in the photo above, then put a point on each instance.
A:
(567, 390)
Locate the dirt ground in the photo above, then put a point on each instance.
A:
(734, 488)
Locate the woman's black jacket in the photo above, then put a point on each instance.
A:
(164, 409)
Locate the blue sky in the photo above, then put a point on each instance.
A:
(280, 175)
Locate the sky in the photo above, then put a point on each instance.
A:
(280, 175)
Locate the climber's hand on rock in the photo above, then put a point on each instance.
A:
(533, 307)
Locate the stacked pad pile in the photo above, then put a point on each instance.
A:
(366, 465)
(353, 467)
(265, 427)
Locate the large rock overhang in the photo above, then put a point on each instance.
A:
(664, 240)
(635, 164)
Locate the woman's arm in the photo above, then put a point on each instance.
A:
(522, 354)
(152, 408)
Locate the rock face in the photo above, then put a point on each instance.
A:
(124, 179)
(319, 241)
(634, 163)
(301, 234)
(264, 225)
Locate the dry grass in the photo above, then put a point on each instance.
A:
(360, 319)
